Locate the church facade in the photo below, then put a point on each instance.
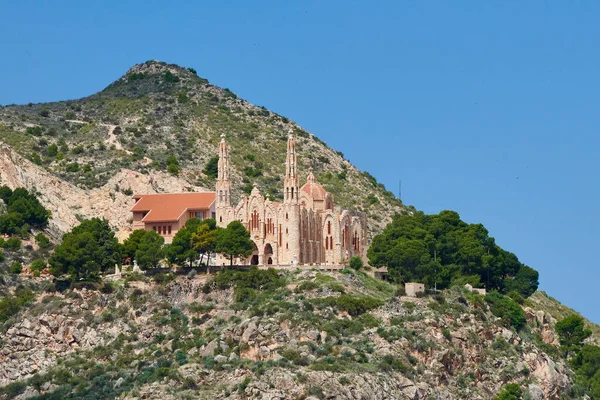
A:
(305, 228)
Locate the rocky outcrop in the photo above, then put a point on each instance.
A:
(450, 351)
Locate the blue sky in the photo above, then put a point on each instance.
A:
(487, 108)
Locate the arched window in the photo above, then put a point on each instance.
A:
(329, 227)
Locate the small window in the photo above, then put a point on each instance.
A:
(286, 246)
(220, 219)
(169, 229)
(199, 215)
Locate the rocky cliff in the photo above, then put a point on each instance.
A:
(190, 338)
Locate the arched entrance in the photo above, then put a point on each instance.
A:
(268, 255)
(254, 256)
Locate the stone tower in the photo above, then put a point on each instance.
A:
(290, 249)
(291, 183)
(223, 186)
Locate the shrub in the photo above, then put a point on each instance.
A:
(45, 112)
(316, 391)
(16, 268)
(356, 262)
(506, 309)
(511, 391)
(42, 241)
(391, 363)
(34, 130)
(447, 334)
(353, 305)
(212, 167)
(72, 167)
(169, 77)
(38, 265)
(13, 243)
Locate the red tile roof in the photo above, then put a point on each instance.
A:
(171, 206)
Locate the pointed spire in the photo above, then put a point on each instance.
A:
(223, 186)
(291, 182)
(223, 174)
(311, 178)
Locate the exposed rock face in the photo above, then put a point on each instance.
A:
(68, 202)
(453, 351)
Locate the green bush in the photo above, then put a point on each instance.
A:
(170, 77)
(510, 391)
(506, 309)
(353, 305)
(211, 169)
(38, 265)
(391, 363)
(356, 262)
(16, 268)
(12, 243)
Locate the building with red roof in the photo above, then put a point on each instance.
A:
(166, 213)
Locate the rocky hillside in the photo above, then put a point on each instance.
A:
(302, 335)
(123, 139)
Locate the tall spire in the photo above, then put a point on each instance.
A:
(223, 183)
(291, 182)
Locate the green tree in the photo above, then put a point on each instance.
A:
(150, 250)
(38, 265)
(42, 241)
(587, 367)
(510, 391)
(408, 244)
(16, 268)
(173, 165)
(90, 247)
(506, 309)
(234, 241)
(13, 243)
(11, 223)
(356, 262)
(204, 240)
(131, 244)
(22, 202)
(571, 333)
(212, 167)
(181, 249)
(525, 282)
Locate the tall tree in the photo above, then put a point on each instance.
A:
(204, 240)
(181, 249)
(571, 333)
(90, 247)
(150, 250)
(234, 241)
(131, 244)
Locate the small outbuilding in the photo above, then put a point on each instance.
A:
(412, 288)
(475, 290)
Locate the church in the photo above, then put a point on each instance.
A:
(305, 228)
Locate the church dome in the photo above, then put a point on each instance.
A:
(313, 188)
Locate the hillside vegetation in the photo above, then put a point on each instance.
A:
(162, 117)
(272, 335)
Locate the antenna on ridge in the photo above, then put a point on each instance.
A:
(400, 190)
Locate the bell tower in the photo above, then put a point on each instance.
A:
(223, 186)
(291, 183)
